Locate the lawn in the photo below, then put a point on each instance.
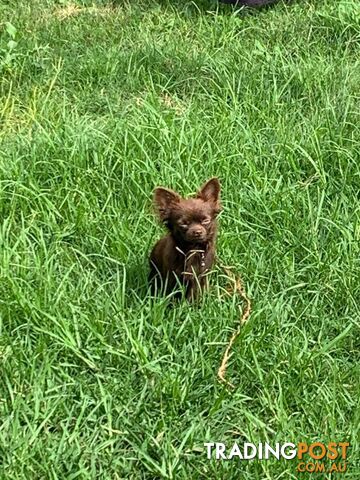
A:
(102, 101)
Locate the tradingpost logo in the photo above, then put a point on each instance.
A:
(311, 458)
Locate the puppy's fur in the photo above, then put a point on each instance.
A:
(187, 252)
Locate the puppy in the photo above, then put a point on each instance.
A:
(187, 252)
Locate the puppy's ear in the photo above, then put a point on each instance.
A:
(164, 201)
(210, 192)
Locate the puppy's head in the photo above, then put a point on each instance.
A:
(192, 220)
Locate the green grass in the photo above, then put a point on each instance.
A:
(97, 107)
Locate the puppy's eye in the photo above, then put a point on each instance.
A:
(183, 223)
(206, 221)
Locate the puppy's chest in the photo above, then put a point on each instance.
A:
(193, 263)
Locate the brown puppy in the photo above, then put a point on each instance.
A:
(187, 252)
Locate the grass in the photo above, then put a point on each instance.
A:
(99, 103)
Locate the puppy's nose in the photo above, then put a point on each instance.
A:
(198, 232)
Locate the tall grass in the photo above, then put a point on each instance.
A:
(99, 103)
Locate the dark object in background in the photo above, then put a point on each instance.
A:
(249, 3)
(186, 253)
